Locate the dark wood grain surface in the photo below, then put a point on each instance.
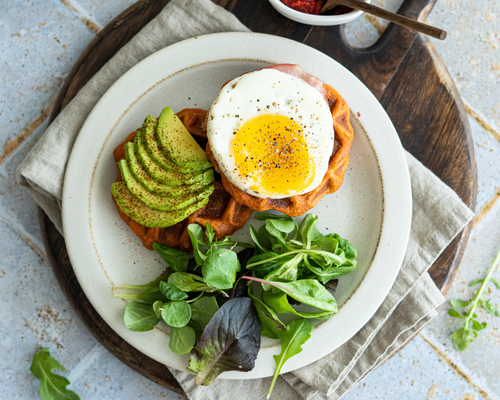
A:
(403, 71)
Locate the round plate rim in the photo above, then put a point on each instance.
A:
(399, 174)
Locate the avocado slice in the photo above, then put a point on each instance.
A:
(147, 217)
(150, 141)
(177, 144)
(159, 203)
(158, 188)
(152, 168)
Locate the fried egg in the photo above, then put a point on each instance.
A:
(271, 134)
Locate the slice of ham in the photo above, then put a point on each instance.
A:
(295, 70)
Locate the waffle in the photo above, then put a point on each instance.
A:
(224, 214)
(300, 204)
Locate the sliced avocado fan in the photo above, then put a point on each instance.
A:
(147, 217)
(152, 168)
(175, 180)
(159, 189)
(156, 191)
(178, 144)
(148, 133)
(155, 202)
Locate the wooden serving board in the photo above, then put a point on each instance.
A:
(402, 69)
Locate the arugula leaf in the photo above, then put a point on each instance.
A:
(176, 313)
(195, 232)
(478, 326)
(270, 324)
(172, 292)
(462, 337)
(490, 308)
(476, 281)
(297, 333)
(203, 309)
(459, 303)
(139, 317)
(454, 313)
(182, 340)
(220, 268)
(52, 386)
(177, 259)
(230, 341)
(133, 292)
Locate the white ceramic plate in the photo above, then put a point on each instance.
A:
(372, 209)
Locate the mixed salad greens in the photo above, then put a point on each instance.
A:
(213, 301)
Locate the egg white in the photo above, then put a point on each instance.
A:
(269, 91)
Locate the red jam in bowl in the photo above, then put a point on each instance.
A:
(313, 6)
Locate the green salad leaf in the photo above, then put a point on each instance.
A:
(182, 340)
(200, 254)
(151, 295)
(294, 264)
(140, 317)
(176, 313)
(133, 292)
(52, 386)
(308, 231)
(203, 309)
(296, 334)
(195, 232)
(172, 292)
(177, 259)
(189, 282)
(306, 291)
(465, 335)
(308, 254)
(157, 307)
(270, 324)
(220, 268)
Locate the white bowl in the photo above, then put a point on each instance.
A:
(311, 19)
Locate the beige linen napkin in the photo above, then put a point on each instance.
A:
(438, 215)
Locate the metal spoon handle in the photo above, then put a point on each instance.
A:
(389, 16)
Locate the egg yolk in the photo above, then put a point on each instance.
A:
(271, 151)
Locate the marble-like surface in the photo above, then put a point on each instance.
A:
(39, 42)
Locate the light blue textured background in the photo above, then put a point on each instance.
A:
(40, 40)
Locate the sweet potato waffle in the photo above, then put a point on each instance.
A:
(300, 204)
(224, 214)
